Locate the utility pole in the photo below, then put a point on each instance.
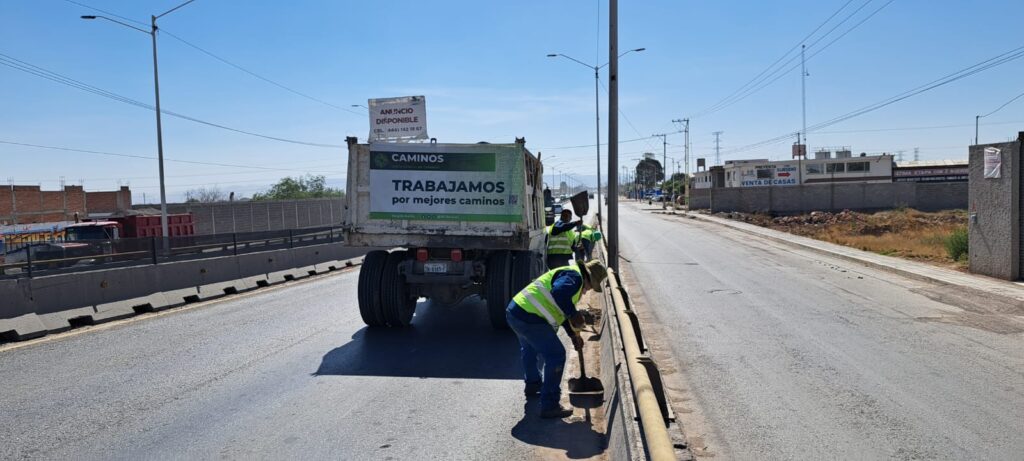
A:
(718, 156)
(803, 89)
(165, 236)
(686, 157)
(664, 166)
(613, 134)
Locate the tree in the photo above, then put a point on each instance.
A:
(649, 172)
(204, 195)
(302, 187)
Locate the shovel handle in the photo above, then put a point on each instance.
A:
(583, 367)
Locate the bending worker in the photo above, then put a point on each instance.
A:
(561, 240)
(535, 314)
(588, 236)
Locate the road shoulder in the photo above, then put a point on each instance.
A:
(1002, 291)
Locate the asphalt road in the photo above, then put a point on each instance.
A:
(288, 372)
(778, 353)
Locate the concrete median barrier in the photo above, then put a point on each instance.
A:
(33, 307)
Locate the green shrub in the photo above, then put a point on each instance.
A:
(956, 244)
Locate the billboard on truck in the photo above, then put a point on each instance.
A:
(438, 185)
(399, 118)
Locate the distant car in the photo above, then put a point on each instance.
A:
(590, 195)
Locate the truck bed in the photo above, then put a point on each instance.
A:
(444, 195)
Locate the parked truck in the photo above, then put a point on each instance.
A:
(460, 220)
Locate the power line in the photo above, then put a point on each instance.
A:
(773, 76)
(713, 107)
(32, 69)
(265, 79)
(913, 128)
(628, 122)
(145, 157)
(106, 12)
(591, 145)
(944, 80)
(1004, 105)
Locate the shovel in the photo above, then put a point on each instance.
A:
(583, 384)
(580, 203)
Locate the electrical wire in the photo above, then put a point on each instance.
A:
(146, 157)
(83, 5)
(32, 69)
(713, 107)
(1004, 105)
(258, 76)
(941, 81)
(797, 65)
(774, 76)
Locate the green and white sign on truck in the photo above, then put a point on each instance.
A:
(447, 186)
(460, 220)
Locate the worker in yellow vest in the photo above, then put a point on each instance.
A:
(588, 237)
(562, 238)
(536, 313)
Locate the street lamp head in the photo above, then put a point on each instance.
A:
(553, 55)
(89, 17)
(639, 49)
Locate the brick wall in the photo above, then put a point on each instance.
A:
(30, 204)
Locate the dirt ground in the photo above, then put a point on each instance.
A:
(906, 233)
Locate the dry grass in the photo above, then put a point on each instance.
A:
(928, 244)
(906, 233)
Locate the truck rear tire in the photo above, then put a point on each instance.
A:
(370, 288)
(498, 270)
(397, 306)
(523, 264)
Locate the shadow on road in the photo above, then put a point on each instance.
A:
(443, 342)
(577, 438)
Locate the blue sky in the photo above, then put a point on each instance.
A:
(483, 69)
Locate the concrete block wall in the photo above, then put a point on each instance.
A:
(833, 197)
(255, 216)
(41, 305)
(994, 213)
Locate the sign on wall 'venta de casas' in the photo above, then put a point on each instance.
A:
(398, 118)
(447, 186)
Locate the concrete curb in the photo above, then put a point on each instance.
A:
(39, 306)
(1003, 291)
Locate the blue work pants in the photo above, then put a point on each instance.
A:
(534, 339)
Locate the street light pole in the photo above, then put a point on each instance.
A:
(597, 141)
(159, 127)
(613, 134)
(164, 231)
(597, 114)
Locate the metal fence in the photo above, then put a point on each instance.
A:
(48, 258)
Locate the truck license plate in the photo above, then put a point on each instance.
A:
(435, 268)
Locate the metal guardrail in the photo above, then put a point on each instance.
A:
(49, 258)
(652, 417)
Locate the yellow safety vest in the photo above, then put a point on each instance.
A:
(560, 244)
(588, 233)
(536, 297)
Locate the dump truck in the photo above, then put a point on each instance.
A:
(460, 220)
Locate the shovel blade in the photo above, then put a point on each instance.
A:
(580, 203)
(585, 385)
